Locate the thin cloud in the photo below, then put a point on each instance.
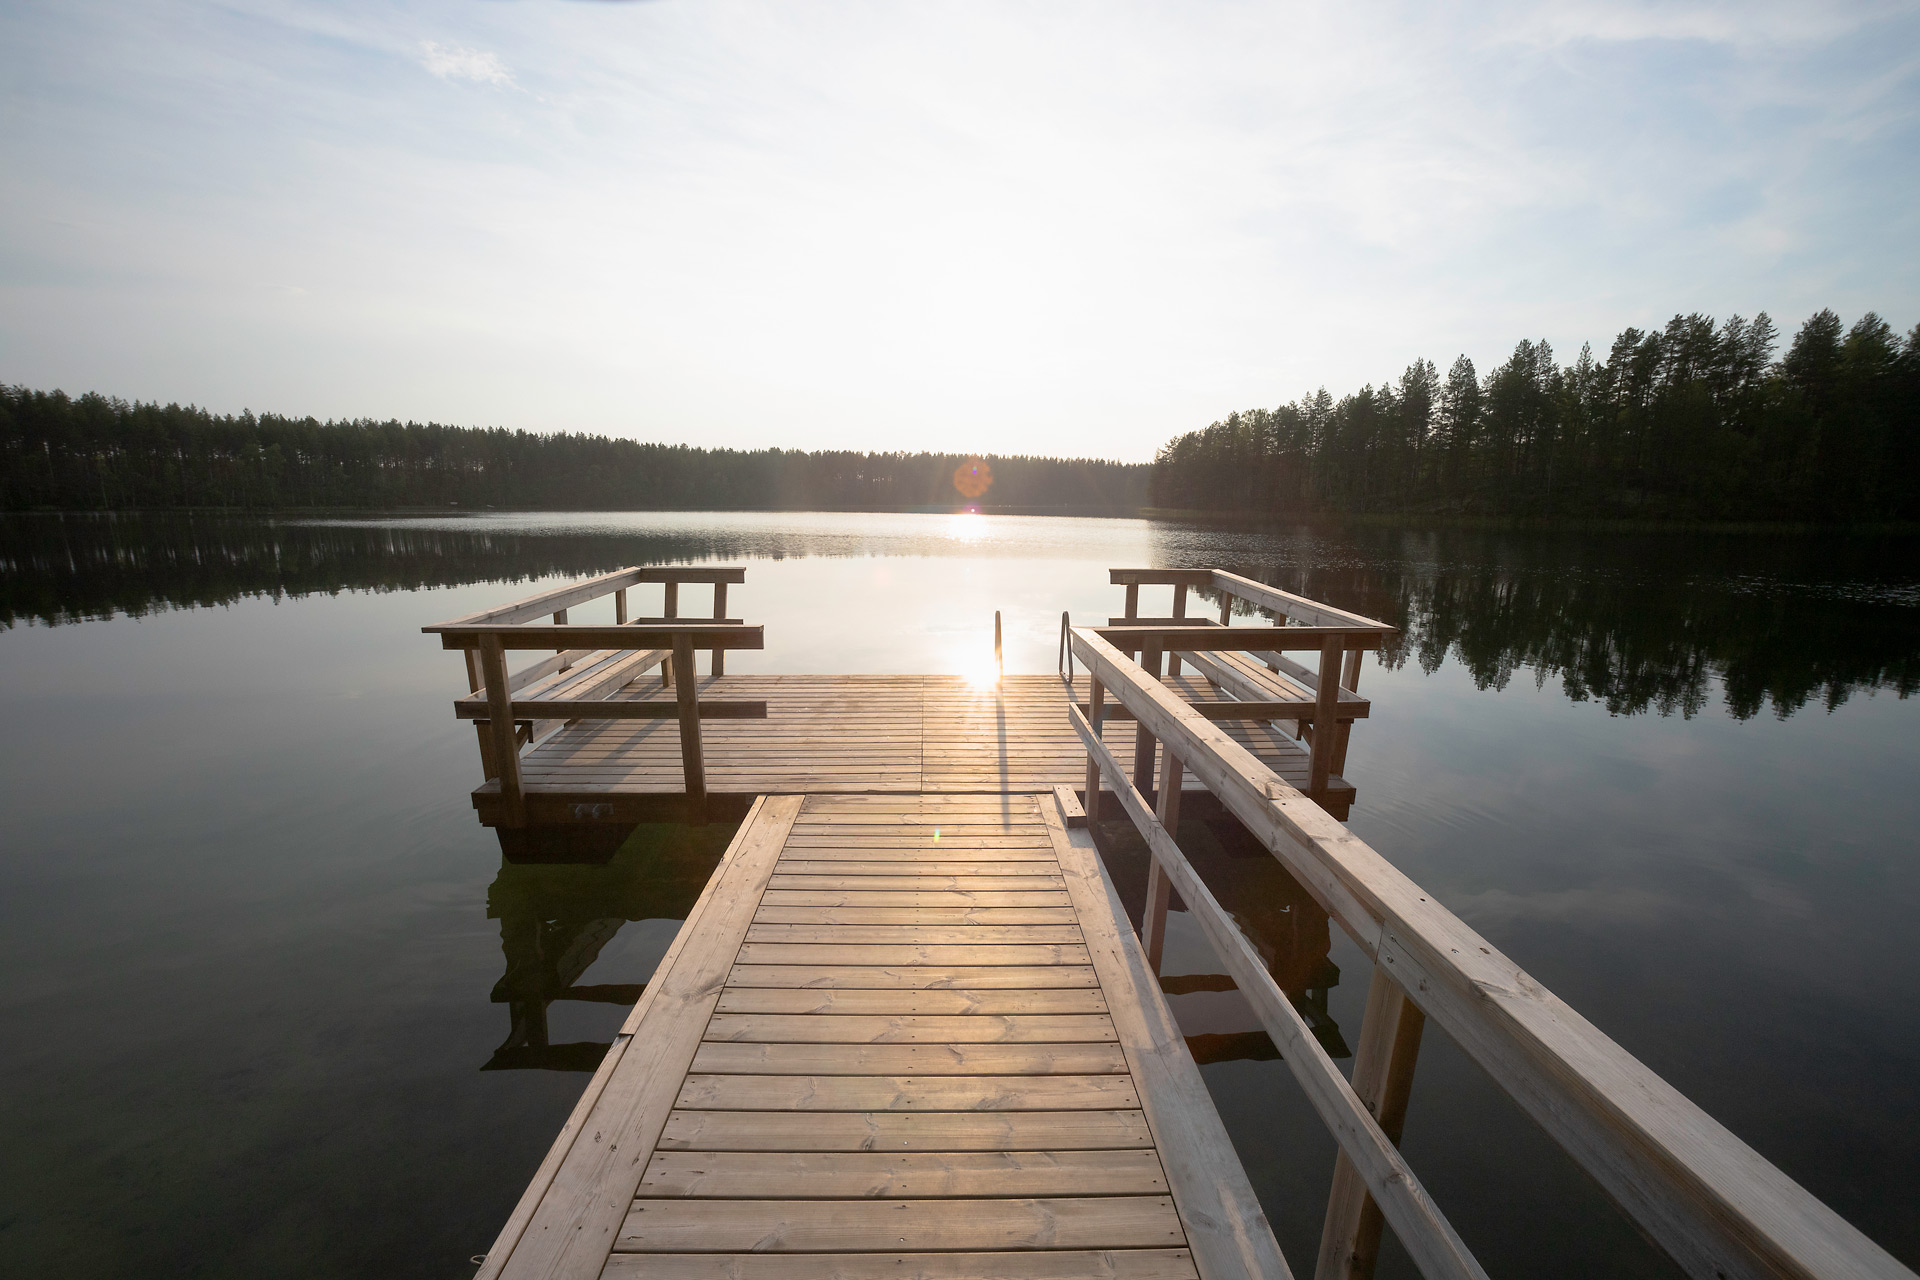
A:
(457, 62)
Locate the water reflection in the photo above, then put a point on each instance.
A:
(1278, 917)
(556, 921)
(1638, 622)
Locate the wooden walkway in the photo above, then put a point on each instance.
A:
(899, 1035)
(855, 733)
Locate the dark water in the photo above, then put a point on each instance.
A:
(273, 1005)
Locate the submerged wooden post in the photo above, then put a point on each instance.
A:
(1350, 681)
(687, 694)
(1096, 695)
(1326, 701)
(1143, 739)
(1383, 1079)
(506, 749)
(1153, 918)
(719, 612)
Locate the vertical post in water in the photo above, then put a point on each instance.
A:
(1325, 708)
(719, 613)
(1383, 1079)
(1179, 612)
(1350, 681)
(506, 749)
(1143, 739)
(1096, 695)
(1153, 919)
(687, 694)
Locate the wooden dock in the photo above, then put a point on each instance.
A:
(899, 1036)
(908, 1028)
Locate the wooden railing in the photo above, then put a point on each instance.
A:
(1341, 638)
(591, 661)
(1713, 1203)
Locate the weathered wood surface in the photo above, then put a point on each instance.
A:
(1716, 1205)
(938, 1092)
(855, 737)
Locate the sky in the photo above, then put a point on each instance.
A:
(1067, 228)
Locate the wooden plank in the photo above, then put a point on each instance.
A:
(544, 602)
(1289, 605)
(903, 1131)
(1043, 1264)
(908, 1000)
(918, 883)
(803, 1226)
(907, 1093)
(805, 865)
(1160, 577)
(576, 1221)
(1226, 1228)
(1205, 639)
(924, 976)
(704, 635)
(1071, 811)
(762, 953)
(906, 1059)
(885, 1174)
(903, 898)
(914, 915)
(611, 709)
(909, 1028)
(916, 934)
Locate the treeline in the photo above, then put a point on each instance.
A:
(1697, 421)
(97, 453)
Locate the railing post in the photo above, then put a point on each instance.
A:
(1226, 609)
(1143, 739)
(669, 609)
(687, 694)
(560, 620)
(1383, 1079)
(999, 660)
(506, 748)
(1179, 611)
(1133, 600)
(1096, 694)
(620, 607)
(1153, 919)
(719, 612)
(1326, 700)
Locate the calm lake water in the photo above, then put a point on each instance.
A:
(274, 1006)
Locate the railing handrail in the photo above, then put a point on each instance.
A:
(574, 593)
(703, 633)
(1429, 1238)
(1712, 1202)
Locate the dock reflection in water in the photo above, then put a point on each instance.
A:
(558, 919)
(1282, 921)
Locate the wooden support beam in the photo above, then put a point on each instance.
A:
(1153, 919)
(1226, 608)
(1096, 695)
(1251, 709)
(1179, 615)
(610, 709)
(1133, 600)
(1349, 683)
(704, 634)
(1382, 1079)
(1325, 713)
(1160, 577)
(620, 607)
(1289, 605)
(506, 751)
(687, 690)
(1143, 737)
(719, 611)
